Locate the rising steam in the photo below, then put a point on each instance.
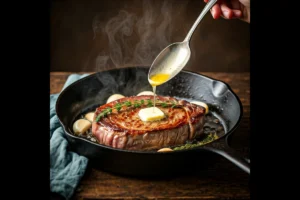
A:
(134, 40)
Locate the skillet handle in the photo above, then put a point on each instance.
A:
(221, 147)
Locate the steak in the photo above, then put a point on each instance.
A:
(118, 125)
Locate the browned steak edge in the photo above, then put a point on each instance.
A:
(191, 113)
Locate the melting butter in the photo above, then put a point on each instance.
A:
(151, 114)
(159, 79)
(156, 80)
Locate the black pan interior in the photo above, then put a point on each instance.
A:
(90, 92)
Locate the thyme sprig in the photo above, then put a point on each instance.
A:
(135, 104)
(207, 139)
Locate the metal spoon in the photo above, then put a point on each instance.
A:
(174, 57)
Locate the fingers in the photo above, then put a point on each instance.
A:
(216, 11)
(221, 9)
(237, 12)
(226, 12)
(229, 13)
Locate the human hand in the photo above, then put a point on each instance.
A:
(231, 9)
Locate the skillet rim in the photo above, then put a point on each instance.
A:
(147, 152)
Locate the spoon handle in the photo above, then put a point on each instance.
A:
(204, 11)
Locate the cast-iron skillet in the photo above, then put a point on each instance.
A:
(88, 93)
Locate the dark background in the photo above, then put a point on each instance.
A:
(94, 35)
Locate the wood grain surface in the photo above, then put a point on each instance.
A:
(223, 180)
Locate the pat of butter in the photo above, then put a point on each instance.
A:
(151, 114)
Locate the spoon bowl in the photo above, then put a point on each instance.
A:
(172, 59)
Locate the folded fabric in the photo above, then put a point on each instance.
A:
(66, 167)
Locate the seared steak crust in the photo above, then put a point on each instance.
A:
(123, 129)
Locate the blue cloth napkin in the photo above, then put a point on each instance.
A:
(66, 167)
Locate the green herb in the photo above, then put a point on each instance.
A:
(99, 117)
(127, 103)
(118, 106)
(173, 104)
(163, 104)
(136, 104)
(187, 146)
(109, 110)
(149, 103)
(104, 113)
(208, 138)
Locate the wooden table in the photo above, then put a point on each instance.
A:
(221, 181)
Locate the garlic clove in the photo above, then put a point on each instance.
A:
(114, 97)
(165, 150)
(81, 126)
(145, 93)
(89, 116)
